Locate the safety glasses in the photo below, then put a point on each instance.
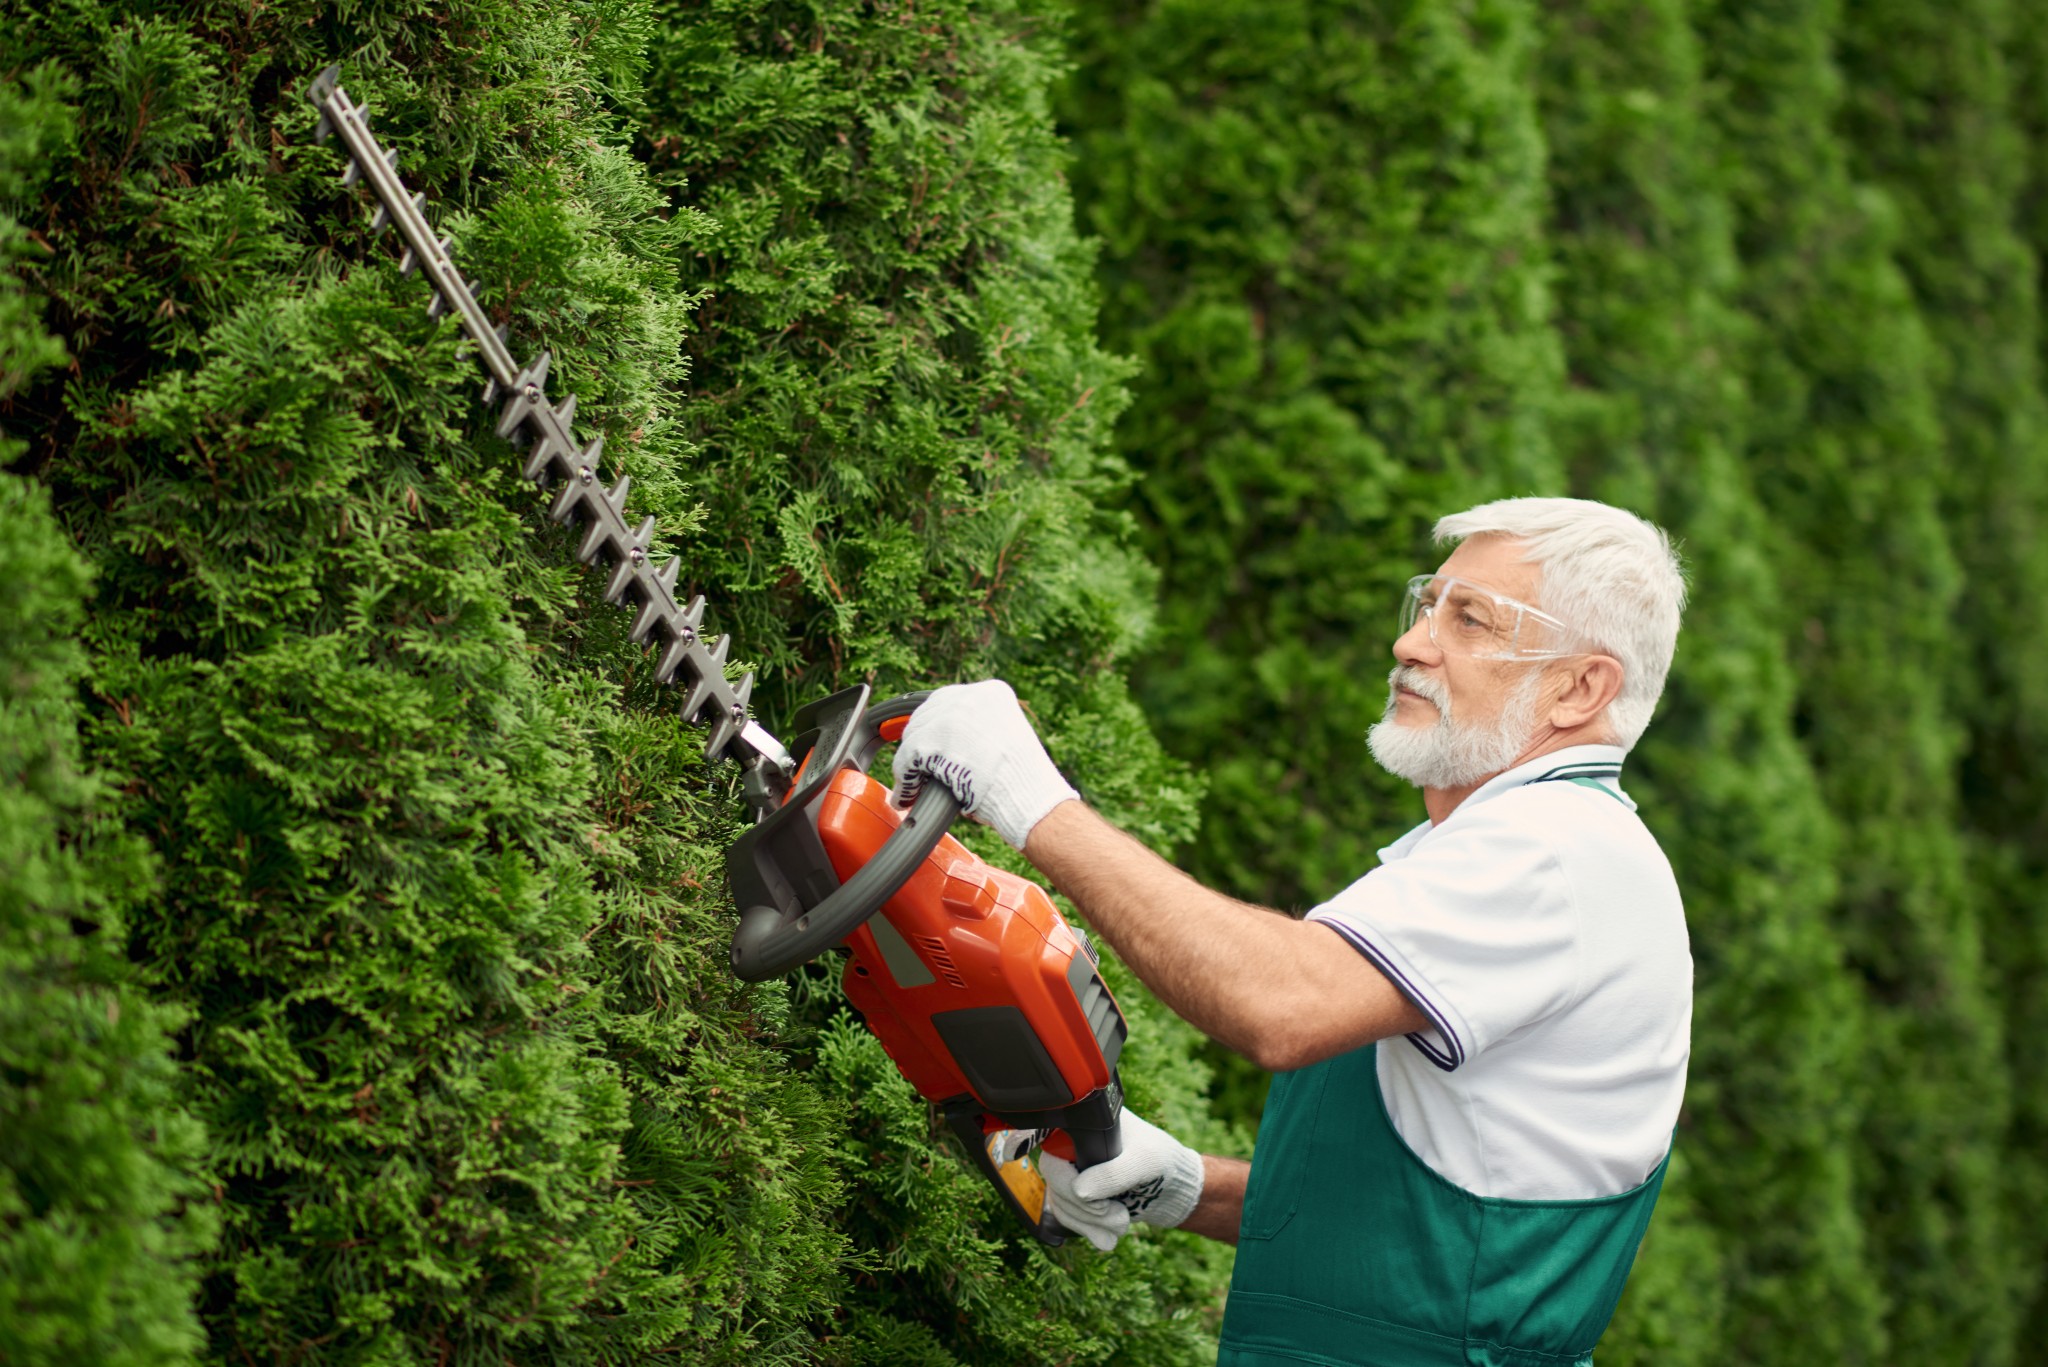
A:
(1472, 620)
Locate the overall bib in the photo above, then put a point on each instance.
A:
(1354, 1253)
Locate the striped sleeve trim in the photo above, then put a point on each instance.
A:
(1450, 1061)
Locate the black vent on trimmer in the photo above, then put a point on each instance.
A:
(1105, 1019)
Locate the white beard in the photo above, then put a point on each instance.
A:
(1451, 754)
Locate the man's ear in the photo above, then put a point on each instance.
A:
(1591, 682)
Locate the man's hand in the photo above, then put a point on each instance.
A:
(975, 739)
(1156, 1179)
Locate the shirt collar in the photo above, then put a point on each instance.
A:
(1598, 762)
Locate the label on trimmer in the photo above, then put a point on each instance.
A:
(1017, 1175)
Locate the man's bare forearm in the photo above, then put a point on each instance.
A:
(1283, 993)
(1221, 1209)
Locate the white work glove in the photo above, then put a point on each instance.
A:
(1156, 1179)
(975, 739)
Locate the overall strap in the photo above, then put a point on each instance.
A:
(1353, 1252)
(1586, 776)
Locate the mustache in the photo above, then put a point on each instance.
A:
(1415, 681)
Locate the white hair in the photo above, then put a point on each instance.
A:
(1611, 577)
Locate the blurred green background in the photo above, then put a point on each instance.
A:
(362, 985)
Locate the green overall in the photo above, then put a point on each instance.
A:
(1354, 1252)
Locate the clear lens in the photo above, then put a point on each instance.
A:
(1411, 601)
(1468, 619)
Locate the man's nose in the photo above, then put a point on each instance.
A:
(1413, 646)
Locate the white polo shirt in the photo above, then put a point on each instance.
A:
(1540, 931)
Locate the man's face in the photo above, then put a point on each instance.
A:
(1453, 717)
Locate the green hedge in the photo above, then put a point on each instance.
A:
(900, 416)
(345, 830)
(1658, 416)
(100, 1215)
(2022, 936)
(1946, 143)
(442, 902)
(1851, 441)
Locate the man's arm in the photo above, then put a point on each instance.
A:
(1221, 1210)
(1284, 993)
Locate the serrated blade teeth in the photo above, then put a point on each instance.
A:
(326, 85)
(623, 574)
(672, 657)
(517, 407)
(540, 460)
(568, 504)
(528, 418)
(442, 303)
(594, 541)
(644, 620)
(728, 724)
(699, 694)
(721, 736)
(512, 416)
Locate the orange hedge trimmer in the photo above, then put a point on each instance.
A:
(988, 1001)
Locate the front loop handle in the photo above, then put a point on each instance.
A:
(770, 943)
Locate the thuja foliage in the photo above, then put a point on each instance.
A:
(337, 785)
(99, 1212)
(1849, 446)
(900, 416)
(1657, 418)
(1946, 143)
(2022, 937)
(472, 1090)
(440, 869)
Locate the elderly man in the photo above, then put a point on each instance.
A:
(1475, 1191)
